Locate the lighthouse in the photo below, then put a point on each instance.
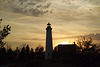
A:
(49, 45)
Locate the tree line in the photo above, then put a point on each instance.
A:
(26, 53)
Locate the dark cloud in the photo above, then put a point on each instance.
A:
(94, 36)
(36, 39)
(22, 0)
(40, 0)
(32, 8)
(70, 37)
(45, 6)
(94, 2)
(27, 7)
(31, 12)
(31, 3)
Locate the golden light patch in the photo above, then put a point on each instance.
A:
(67, 42)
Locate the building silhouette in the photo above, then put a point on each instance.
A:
(49, 45)
(66, 51)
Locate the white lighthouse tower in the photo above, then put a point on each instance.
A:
(49, 46)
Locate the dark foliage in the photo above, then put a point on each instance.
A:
(39, 54)
(25, 54)
(4, 33)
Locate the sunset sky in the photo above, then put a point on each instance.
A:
(68, 18)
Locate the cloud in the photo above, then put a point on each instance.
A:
(70, 37)
(28, 7)
(94, 36)
(34, 39)
(37, 39)
(32, 8)
(31, 12)
(94, 2)
(55, 38)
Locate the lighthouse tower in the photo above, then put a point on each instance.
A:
(49, 46)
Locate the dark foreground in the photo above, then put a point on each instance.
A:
(50, 63)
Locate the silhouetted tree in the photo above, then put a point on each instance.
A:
(39, 51)
(32, 50)
(4, 33)
(2, 53)
(27, 49)
(31, 53)
(22, 54)
(85, 45)
(23, 50)
(16, 53)
(27, 52)
(10, 55)
(55, 52)
(56, 49)
(87, 52)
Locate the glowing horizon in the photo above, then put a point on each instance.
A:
(67, 42)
